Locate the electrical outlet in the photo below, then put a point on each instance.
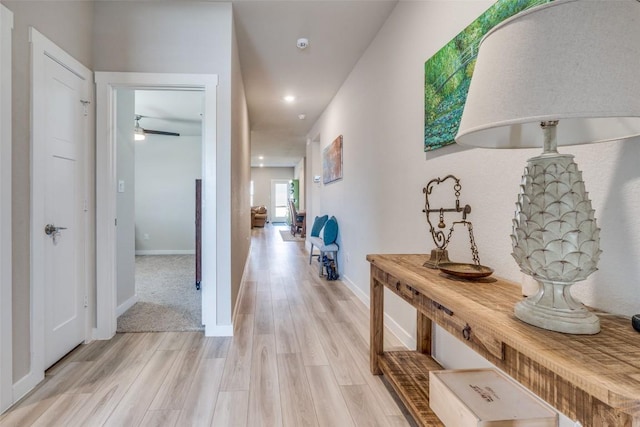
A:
(145, 236)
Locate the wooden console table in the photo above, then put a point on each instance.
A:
(594, 379)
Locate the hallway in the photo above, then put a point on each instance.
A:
(299, 357)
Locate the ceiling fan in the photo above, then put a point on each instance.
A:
(140, 132)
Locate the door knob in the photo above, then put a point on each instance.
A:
(50, 229)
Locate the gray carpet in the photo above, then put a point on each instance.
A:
(167, 296)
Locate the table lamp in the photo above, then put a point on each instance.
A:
(568, 68)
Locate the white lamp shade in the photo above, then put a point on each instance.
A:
(576, 61)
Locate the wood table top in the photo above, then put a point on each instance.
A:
(605, 365)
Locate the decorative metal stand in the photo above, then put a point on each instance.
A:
(440, 254)
(440, 257)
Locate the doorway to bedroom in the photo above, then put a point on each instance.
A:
(158, 160)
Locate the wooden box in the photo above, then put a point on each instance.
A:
(485, 397)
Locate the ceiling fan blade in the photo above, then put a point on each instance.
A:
(160, 132)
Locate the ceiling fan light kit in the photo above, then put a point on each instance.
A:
(140, 133)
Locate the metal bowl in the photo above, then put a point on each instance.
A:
(465, 271)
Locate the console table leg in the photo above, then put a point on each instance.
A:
(423, 334)
(377, 325)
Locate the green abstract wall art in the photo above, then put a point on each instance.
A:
(447, 74)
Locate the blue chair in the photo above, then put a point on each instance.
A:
(325, 240)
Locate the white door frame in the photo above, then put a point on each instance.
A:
(107, 84)
(42, 48)
(6, 330)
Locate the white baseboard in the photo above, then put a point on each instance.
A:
(97, 334)
(166, 252)
(25, 384)
(393, 326)
(126, 305)
(399, 332)
(218, 331)
(356, 290)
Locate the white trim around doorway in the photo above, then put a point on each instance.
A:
(106, 85)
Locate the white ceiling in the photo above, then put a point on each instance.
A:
(170, 110)
(272, 66)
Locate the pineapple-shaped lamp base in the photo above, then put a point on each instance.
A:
(555, 240)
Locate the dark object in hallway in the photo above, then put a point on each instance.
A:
(635, 322)
(330, 266)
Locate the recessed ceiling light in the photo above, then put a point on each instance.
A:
(261, 165)
(289, 98)
(260, 157)
(302, 116)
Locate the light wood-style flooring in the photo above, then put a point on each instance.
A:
(299, 357)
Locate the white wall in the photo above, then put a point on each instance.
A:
(313, 190)
(166, 168)
(240, 176)
(299, 174)
(126, 211)
(379, 110)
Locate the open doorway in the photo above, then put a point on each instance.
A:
(107, 84)
(158, 160)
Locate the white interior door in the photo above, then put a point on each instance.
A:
(63, 245)
(279, 200)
